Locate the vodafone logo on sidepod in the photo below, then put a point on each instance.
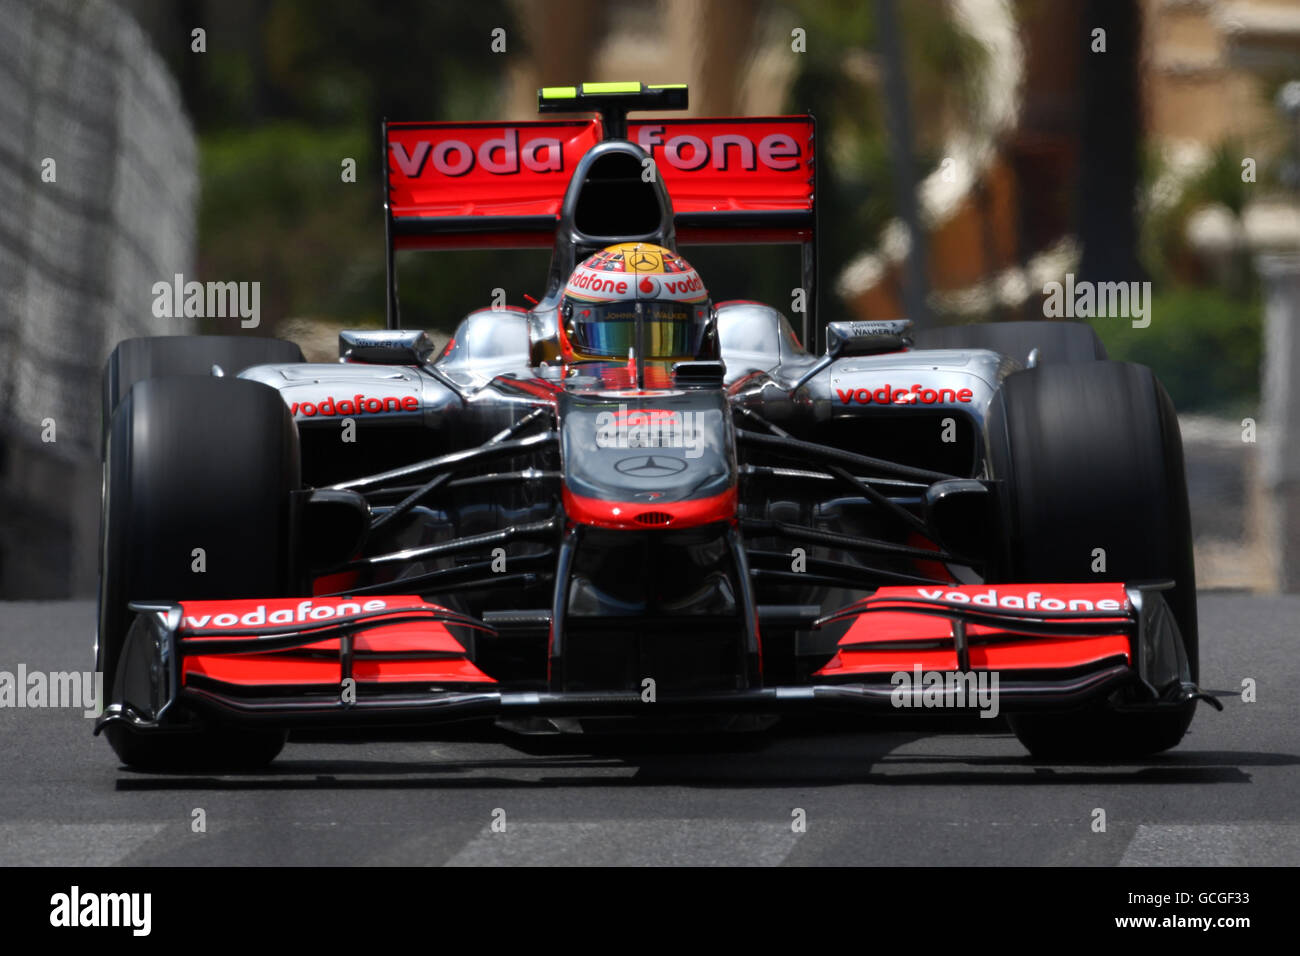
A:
(902, 395)
(356, 405)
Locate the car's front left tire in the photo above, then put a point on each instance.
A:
(199, 473)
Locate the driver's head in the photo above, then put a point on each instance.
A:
(607, 290)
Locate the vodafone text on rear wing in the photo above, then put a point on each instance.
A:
(526, 185)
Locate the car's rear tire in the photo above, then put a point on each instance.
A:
(1058, 343)
(134, 360)
(194, 463)
(1090, 456)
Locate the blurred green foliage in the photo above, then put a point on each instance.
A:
(1203, 343)
(1166, 252)
(275, 208)
(1205, 340)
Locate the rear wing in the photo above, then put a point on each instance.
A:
(480, 185)
(495, 185)
(503, 185)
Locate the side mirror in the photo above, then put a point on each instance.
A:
(847, 339)
(385, 346)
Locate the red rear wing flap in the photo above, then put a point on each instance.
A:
(494, 185)
(735, 180)
(480, 185)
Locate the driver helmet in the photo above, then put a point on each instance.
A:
(608, 290)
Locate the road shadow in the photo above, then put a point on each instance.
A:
(807, 752)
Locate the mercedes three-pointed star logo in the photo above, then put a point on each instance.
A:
(648, 466)
(645, 261)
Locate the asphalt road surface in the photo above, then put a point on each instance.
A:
(883, 792)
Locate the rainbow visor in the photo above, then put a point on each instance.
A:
(671, 329)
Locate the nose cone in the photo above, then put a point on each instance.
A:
(647, 461)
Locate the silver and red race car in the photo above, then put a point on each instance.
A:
(628, 507)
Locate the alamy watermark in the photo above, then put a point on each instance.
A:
(948, 690)
(82, 690)
(1084, 299)
(647, 428)
(208, 300)
(75, 909)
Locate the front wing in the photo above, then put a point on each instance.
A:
(400, 660)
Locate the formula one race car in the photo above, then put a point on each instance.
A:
(629, 507)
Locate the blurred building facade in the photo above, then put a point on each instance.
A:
(997, 238)
(1210, 61)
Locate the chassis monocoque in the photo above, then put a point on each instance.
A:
(496, 532)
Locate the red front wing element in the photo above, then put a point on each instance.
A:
(288, 661)
(402, 642)
(1005, 627)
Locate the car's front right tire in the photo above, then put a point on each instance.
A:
(1090, 467)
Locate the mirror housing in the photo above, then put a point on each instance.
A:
(385, 346)
(849, 339)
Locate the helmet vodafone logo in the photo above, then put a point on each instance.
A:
(602, 286)
(599, 285)
(683, 285)
(636, 271)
